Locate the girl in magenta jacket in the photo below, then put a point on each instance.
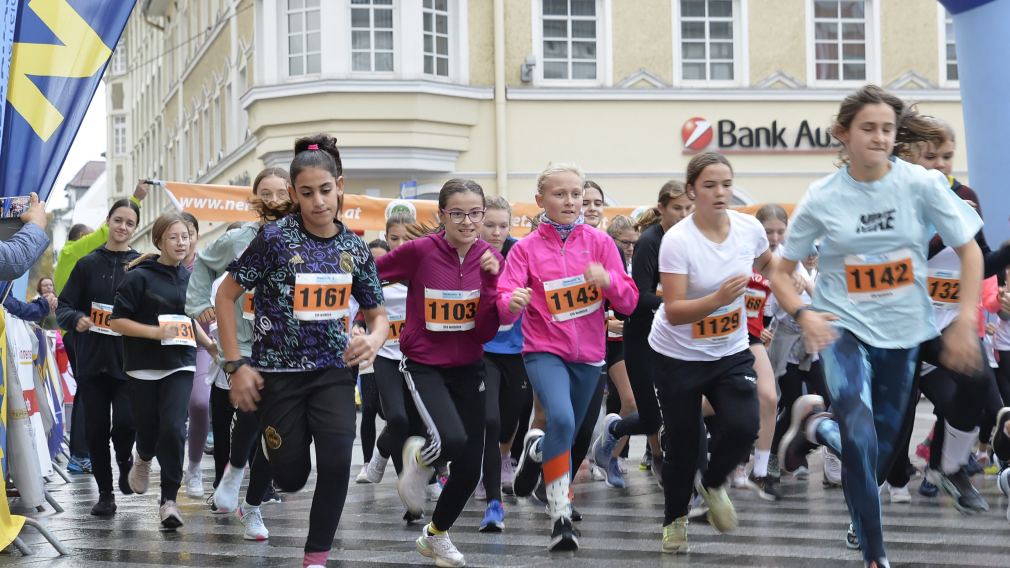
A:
(561, 274)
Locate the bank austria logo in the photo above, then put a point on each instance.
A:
(696, 133)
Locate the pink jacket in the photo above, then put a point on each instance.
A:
(541, 257)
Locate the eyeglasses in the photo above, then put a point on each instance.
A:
(627, 243)
(457, 216)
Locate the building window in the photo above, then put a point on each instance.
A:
(707, 40)
(372, 35)
(119, 136)
(570, 32)
(119, 58)
(304, 40)
(436, 37)
(948, 60)
(840, 40)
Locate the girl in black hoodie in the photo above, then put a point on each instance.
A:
(160, 358)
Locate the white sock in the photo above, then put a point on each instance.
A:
(761, 462)
(957, 446)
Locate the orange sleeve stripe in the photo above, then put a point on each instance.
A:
(557, 466)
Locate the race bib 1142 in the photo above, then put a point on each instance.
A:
(876, 277)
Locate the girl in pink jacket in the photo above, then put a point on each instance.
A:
(561, 274)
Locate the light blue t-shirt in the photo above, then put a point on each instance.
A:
(874, 241)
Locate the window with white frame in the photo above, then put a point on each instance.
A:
(840, 40)
(435, 14)
(304, 38)
(570, 32)
(119, 58)
(949, 60)
(119, 136)
(372, 35)
(707, 40)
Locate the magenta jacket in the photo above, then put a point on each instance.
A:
(431, 263)
(541, 257)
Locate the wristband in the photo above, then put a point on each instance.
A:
(134, 200)
(799, 310)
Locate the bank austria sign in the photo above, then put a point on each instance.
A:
(700, 134)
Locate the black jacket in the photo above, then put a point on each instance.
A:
(645, 273)
(149, 290)
(95, 278)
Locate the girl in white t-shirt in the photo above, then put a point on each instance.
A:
(700, 335)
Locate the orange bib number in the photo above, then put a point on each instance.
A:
(321, 297)
(450, 310)
(100, 316)
(879, 277)
(570, 298)
(718, 325)
(182, 330)
(248, 307)
(395, 329)
(753, 300)
(944, 287)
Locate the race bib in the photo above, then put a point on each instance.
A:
(717, 326)
(944, 287)
(396, 324)
(182, 330)
(100, 315)
(321, 297)
(570, 298)
(248, 308)
(753, 301)
(875, 277)
(450, 310)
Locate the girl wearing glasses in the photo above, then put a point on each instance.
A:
(159, 355)
(561, 275)
(451, 313)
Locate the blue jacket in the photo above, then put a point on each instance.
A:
(36, 310)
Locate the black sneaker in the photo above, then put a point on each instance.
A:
(411, 518)
(106, 505)
(766, 487)
(851, 540)
(646, 463)
(540, 491)
(124, 476)
(271, 495)
(1000, 441)
(529, 467)
(564, 537)
(794, 447)
(958, 485)
(576, 517)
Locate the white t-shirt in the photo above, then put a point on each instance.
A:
(1001, 341)
(395, 296)
(685, 250)
(944, 285)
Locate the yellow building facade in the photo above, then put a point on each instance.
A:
(418, 91)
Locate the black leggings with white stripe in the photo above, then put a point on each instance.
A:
(450, 402)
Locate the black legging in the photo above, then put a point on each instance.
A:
(507, 391)
(584, 437)
(106, 395)
(160, 408)
(392, 398)
(370, 408)
(640, 360)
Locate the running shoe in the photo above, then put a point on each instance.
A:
(973, 468)
(271, 495)
(958, 485)
(226, 494)
(766, 487)
(480, 493)
(564, 536)
(530, 464)
(252, 519)
(210, 503)
(194, 484)
(615, 477)
(124, 475)
(896, 494)
(79, 465)
(832, 474)
(208, 446)
(576, 515)
(1003, 481)
(794, 447)
(413, 481)
(675, 536)
(646, 463)
(721, 513)
(412, 518)
(362, 475)
(507, 474)
(927, 489)
(1000, 444)
(739, 478)
(773, 467)
(105, 506)
(140, 475)
(603, 446)
(622, 464)
(439, 548)
(802, 473)
(169, 512)
(596, 472)
(698, 507)
(851, 540)
(375, 468)
(494, 517)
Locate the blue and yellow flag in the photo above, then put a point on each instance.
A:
(59, 53)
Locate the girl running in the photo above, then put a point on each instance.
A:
(159, 355)
(561, 274)
(871, 309)
(304, 269)
(450, 315)
(370, 406)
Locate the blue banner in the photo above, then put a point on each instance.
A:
(9, 22)
(60, 51)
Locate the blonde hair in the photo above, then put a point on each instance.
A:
(498, 203)
(559, 168)
(619, 224)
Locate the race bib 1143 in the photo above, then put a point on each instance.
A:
(569, 298)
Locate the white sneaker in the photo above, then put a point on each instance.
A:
(740, 477)
(440, 549)
(252, 518)
(375, 468)
(414, 477)
(597, 473)
(194, 484)
(801, 473)
(832, 468)
(896, 494)
(434, 490)
(169, 515)
(363, 475)
(140, 475)
(226, 494)
(479, 493)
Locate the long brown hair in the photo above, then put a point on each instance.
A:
(911, 126)
(269, 211)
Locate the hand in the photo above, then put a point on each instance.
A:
(990, 329)
(36, 212)
(212, 350)
(142, 189)
(165, 332)
(817, 332)
(615, 326)
(520, 299)
(361, 349)
(732, 289)
(488, 263)
(207, 316)
(961, 352)
(84, 324)
(766, 336)
(597, 276)
(53, 302)
(246, 384)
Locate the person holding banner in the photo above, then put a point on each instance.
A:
(305, 268)
(83, 309)
(159, 355)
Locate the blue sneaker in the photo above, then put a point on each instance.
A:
(927, 489)
(615, 477)
(973, 468)
(79, 465)
(494, 517)
(603, 447)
